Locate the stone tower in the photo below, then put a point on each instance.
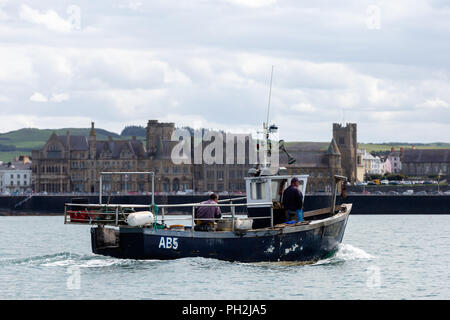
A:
(345, 137)
(156, 133)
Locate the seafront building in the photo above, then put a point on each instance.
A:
(73, 163)
(395, 160)
(426, 162)
(372, 164)
(15, 176)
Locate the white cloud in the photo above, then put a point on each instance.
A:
(59, 97)
(38, 97)
(3, 15)
(253, 3)
(157, 60)
(55, 97)
(304, 107)
(132, 5)
(49, 19)
(434, 104)
(16, 66)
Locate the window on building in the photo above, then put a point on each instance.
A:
(341, 140)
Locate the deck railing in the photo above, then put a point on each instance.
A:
(116, 210)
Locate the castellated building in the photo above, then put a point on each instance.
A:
(73, 163)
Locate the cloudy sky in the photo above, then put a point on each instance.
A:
(207, 63)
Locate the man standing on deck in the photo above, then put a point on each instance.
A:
(207, 212)
(293, 201)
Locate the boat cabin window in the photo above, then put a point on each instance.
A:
(258, 190)
(270, 189)
(278, 187)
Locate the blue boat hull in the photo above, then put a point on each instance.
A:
(303, 243)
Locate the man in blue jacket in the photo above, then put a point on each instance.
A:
(293, 201)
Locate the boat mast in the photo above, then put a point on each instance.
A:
(264, 144)
(266, 132)
(268, 105)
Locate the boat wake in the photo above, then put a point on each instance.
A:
(346, 252)
(66, 259)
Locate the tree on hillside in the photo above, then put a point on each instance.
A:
(137, 131)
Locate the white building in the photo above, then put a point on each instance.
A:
(372, 165)
(15, 177)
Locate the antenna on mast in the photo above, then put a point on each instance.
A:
(270, 95)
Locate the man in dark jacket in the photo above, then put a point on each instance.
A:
(293, 200)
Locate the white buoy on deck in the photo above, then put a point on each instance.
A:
(140, 218)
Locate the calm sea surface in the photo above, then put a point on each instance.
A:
(382, 257)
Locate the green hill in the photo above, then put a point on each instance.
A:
(377, 147)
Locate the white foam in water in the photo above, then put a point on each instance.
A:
(88, 261)
(61, 263)
(85, 263)
(347, 252)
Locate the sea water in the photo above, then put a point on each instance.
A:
(381, 257)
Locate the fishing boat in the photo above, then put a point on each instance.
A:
(252, 228)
